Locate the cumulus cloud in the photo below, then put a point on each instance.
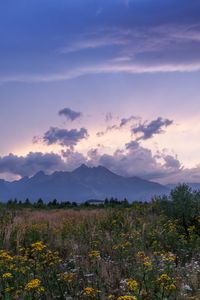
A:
(132, 160)
(147, 130)
(32, 163)
(73, 159)
(70, 114)
(64, 137)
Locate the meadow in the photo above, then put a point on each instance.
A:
(114, 251)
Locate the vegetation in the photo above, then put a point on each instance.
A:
(115, 250)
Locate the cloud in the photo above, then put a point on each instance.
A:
(135, 49)
(32, 163)
(94, 41)
(108, 117)
(148, 130)
(125, 121)
(132, 160)
(64, 137)
(136, 160)
(144, 37)
(70, 114)
(73, 159)
(108, 128)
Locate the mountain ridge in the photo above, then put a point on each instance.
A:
(79, 185)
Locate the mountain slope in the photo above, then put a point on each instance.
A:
(80, 185)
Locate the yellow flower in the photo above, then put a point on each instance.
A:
(5, 256)
(8, 289)
(68, 277)
(141, 254)
(38, 246)
(33, 284)
(41, 289)
(143, 293)
(147, 262)
(111, 296)
(171, 287)
(132, 284)
(164, 278)
(169, 257)
(127, 298)
(94, 253)
(7, 275)
(89, 291)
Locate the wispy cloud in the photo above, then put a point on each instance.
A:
(157, 49)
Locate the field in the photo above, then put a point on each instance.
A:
(123, 252)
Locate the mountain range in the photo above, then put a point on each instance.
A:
(82, 184)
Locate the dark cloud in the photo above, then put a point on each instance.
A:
(150, 129)
(125, 121)
(172, 162)
(70, 114)
(64, 137)
(31, 163)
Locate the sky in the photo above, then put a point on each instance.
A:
(100, 82)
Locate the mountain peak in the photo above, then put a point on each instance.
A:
(39, 174)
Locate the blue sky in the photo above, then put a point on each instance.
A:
(110, 60)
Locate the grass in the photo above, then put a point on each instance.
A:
(139, 252)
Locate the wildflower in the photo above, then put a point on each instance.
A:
(38, 246)
(143, 293)
(7, 275)
(147, 262)
(89, 291)
(33, 284)
(8, 289)
(111, 296)
(68, 277)
(169, 257)
(5, 256)
(127, 298)
(94, 254)
(164, 278)
(141, 254)
(41, 289)
(171, 287)
(132, 284)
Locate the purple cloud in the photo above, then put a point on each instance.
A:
(148, 130)
(64, 137)
(70, 114)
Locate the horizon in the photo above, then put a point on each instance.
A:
(110, 83)
(96, 167)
